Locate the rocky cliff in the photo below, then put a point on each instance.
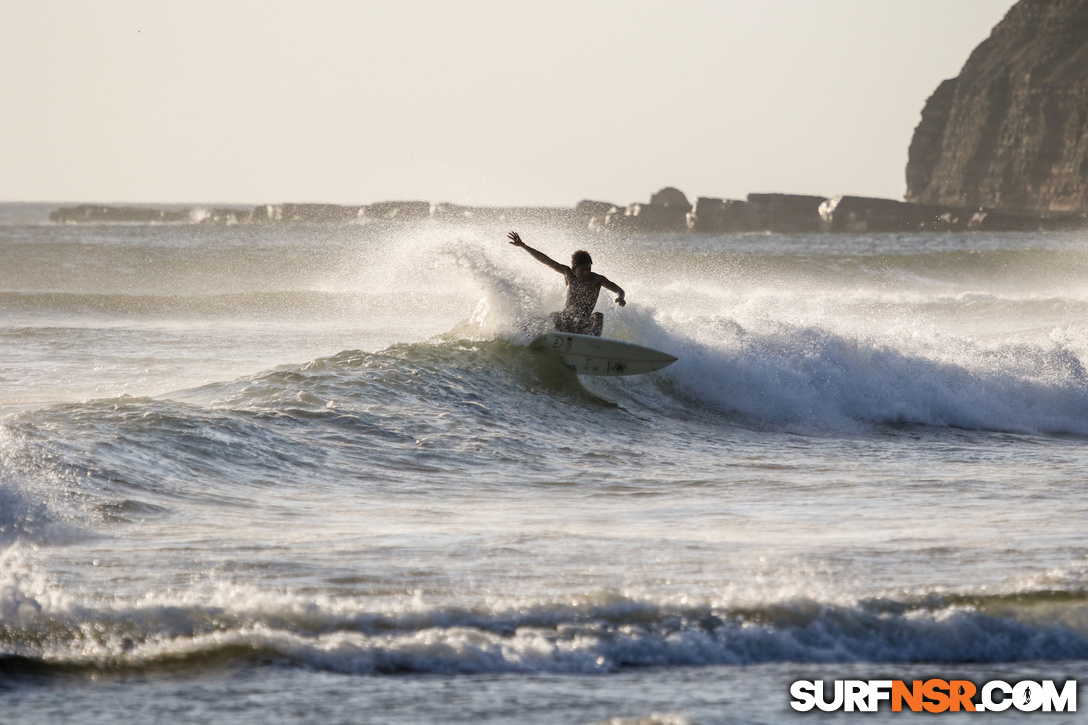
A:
(1011, 131)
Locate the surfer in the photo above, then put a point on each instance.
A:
(583, 288)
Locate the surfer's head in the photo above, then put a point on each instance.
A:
(581, 260)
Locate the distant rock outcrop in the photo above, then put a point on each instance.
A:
(869, 214)
(1011, 131)
(304, 213)
(710, 214)
(784, 212)
(667, 212)
(399, 210)
(85, 213)
(672, 198)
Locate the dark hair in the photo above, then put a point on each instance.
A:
(580, 257)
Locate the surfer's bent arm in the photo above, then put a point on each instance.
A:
(537, 254)
(613, 287)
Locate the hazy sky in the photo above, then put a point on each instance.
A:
(507, 102)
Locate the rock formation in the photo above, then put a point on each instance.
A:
(304, 213)
(667, 212)
(1011, 131)
(784, 212)
(85, 213)
(710, 214)
(869, 214)
(672, 198)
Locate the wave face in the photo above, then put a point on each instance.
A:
(797, 331)
(334, 451)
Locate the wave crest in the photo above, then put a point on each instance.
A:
(599, 634)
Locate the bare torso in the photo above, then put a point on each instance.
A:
(582, 295)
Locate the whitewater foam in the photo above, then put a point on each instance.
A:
(349, 635)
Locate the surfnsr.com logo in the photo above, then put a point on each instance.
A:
(934, 696)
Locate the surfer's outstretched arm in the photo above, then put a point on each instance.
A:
(515, 239)
(612, 286)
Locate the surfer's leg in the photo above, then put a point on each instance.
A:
(580, 325)
(560, 321)
(597, 324)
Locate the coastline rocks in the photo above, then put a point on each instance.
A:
(670, 198)
(717, 215)
(303, 213)
(398, 210)
(1011, 131)
(90, 213)
(590, 208)
(870, 214)
(667, 212)
(1006, 220)
(220, 215)
(563, 217)
(657, 217)
(784, 212)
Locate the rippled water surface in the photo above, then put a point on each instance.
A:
(315, 473)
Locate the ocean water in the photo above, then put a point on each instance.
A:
(314, 473)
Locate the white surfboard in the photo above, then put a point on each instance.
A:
(589, 355)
